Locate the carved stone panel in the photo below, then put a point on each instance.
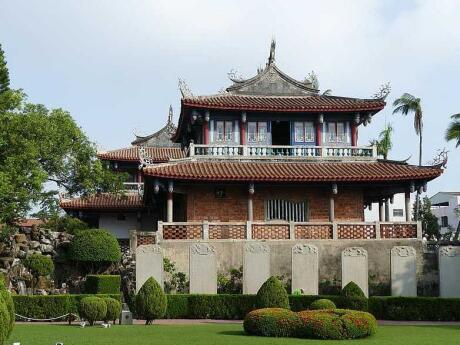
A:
(256, 266)
(355, 268)
(203, 268)
(449, 271)
(149, 263)
(305, 268)
(403, 271)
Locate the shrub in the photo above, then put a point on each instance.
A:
(272, 294)
(5, 327)
(94, 246)
(272, 322)
(151, 301)
(93, 309)
(336, 324)
(113, 309)
(303, 302)
(352, 290)
(5, 295)
(322, 303)
(67, 223)
(102, 284)
(40, 265)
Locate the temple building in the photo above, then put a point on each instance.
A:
(271, 158)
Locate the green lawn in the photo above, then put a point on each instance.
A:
(213, 334)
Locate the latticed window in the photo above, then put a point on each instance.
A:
(257, 132)
(224, 131)
(304, 132)
(278, 209)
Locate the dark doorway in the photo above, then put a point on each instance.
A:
(281, 133)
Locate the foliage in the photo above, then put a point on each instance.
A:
(39, 265)
(113, 309)
(66, 223)
(151, 301)
(272, 322)
(37, 146)
(336, 324)
(5, 323)
(93, 309)
(231, 283)
(352, 290)
(322, 303)
(7, 300)
(453, 130)
(430, 225)
(6, 231)
(303, 302)
(384, 143)
(175, 281)
(94, 246)
(102, 284)
(272, 294)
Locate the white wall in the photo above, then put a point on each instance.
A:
(449, 211)
(119, 228)
(398, 203)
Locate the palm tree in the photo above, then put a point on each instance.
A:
(384, 143)
(453, 131)
(410, 104)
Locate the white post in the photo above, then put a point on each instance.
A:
(205, 230)
(133, 241)
(249, 230)
(335, 231)
(191, 149)
(331, 208)
(374, 151)
(159, 231)
(387, 210)
(419, 230)
(377, 231)
(291, 230)
(408, 215)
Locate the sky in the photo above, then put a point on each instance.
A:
(114, 65)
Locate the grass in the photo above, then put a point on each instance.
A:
(213, 334)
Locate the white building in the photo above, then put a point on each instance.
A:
(397, 210)
(444, 206)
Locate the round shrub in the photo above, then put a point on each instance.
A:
(5, 295)
(5, 328)
(272, 294)
(113, 309)
(322, 303)
(40, 265)
(272, 322)
(336, 324)
(151, 301)
(94, 246)
(93, 309)
(352, 290)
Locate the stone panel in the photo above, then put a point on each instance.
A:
(256, 266)
(403, 271)
(203, 269)
(449, 271)
(355, 268)
(149, 263)
(305, 268)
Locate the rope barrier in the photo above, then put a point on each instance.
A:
(50, 319)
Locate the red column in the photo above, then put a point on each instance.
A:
(354, 134)
(242, 133)
(318, 133)
(206, 132)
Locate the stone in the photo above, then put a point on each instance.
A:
(149, 263)
(403, 271)
(203, 268)
(355, 268)
(45, 240)
(305, 269)
(22, 254)
(449, 271)
(46, 248)
(20, 238)
(34, 244)
(256, 266)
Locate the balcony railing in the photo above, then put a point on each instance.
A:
(276, 151)
(134, 187)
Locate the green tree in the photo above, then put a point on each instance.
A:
(384, 143)
(151, 301)
(272, 294)
(453, 130)
(430, 225)
(39, 265)
(38, 146)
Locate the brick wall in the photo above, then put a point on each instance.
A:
(313, 231)
(145, 239)
(398, 230)
(181, 232)
(356, 231)
(270, 232)
(223, 232)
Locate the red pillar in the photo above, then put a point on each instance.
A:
(354, 134)
(318, 133)
(206, 132)
(242, 133)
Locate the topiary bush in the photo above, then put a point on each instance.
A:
(113, 309)
(322, 303)
(151, 301)
(102, 284)
(272, 322)
(5, 323)
(352, 290)
(40, 265)
(336, 324)
(272, 294)
(93, 309)
(94, 246)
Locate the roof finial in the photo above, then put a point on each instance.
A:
(271, 58)
(170, 115)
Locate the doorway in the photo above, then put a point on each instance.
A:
(281, 133)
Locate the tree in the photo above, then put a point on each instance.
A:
(151, 301)
(272, 294)
(453, 130)
(384, 143)
(38, 146)
(39, 265)
(430, 225)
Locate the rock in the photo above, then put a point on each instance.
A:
(46, 248)
(34, 244)
(54, 235)
(45, 240)
(26, 231)
(20, 238)
(5, 262)
(22, 254)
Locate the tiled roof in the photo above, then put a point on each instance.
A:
(292, 171)
(103, 201)
(284, 103)
(131, 154)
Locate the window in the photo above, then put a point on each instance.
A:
(286, 210)
(337, 132)
(304, 132)
(398, 212)
(219, 193)
(444, 221)
(224, 131)
(257, 132)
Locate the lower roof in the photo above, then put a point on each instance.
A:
(104, 201)
(131, 154)
(211, 170)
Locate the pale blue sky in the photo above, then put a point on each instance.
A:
(115, 64)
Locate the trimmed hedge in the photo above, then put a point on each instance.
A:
(272, 294)
(303, 302)
(113, 309)
(102, 284)
(272, 322)
(322, 303)
(151, 301)
(93, 309)
(40, 265)
(95, 245)
(352, 290)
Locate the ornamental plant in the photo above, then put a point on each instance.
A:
(151, 301)
(6, 325)
(352, 290)
(272, 322)
(322, 303)
(93, 309)
(272, 294)
(39, 265)
(113, 309)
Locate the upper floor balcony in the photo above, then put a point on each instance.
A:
(283, 151)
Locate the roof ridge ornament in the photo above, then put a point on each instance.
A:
(271, 57)
(170, 114)
(383, 91)
(185, 89)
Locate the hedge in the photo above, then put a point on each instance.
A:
(102, 284)
(272, 322)
(303, 302)
(45, 307)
